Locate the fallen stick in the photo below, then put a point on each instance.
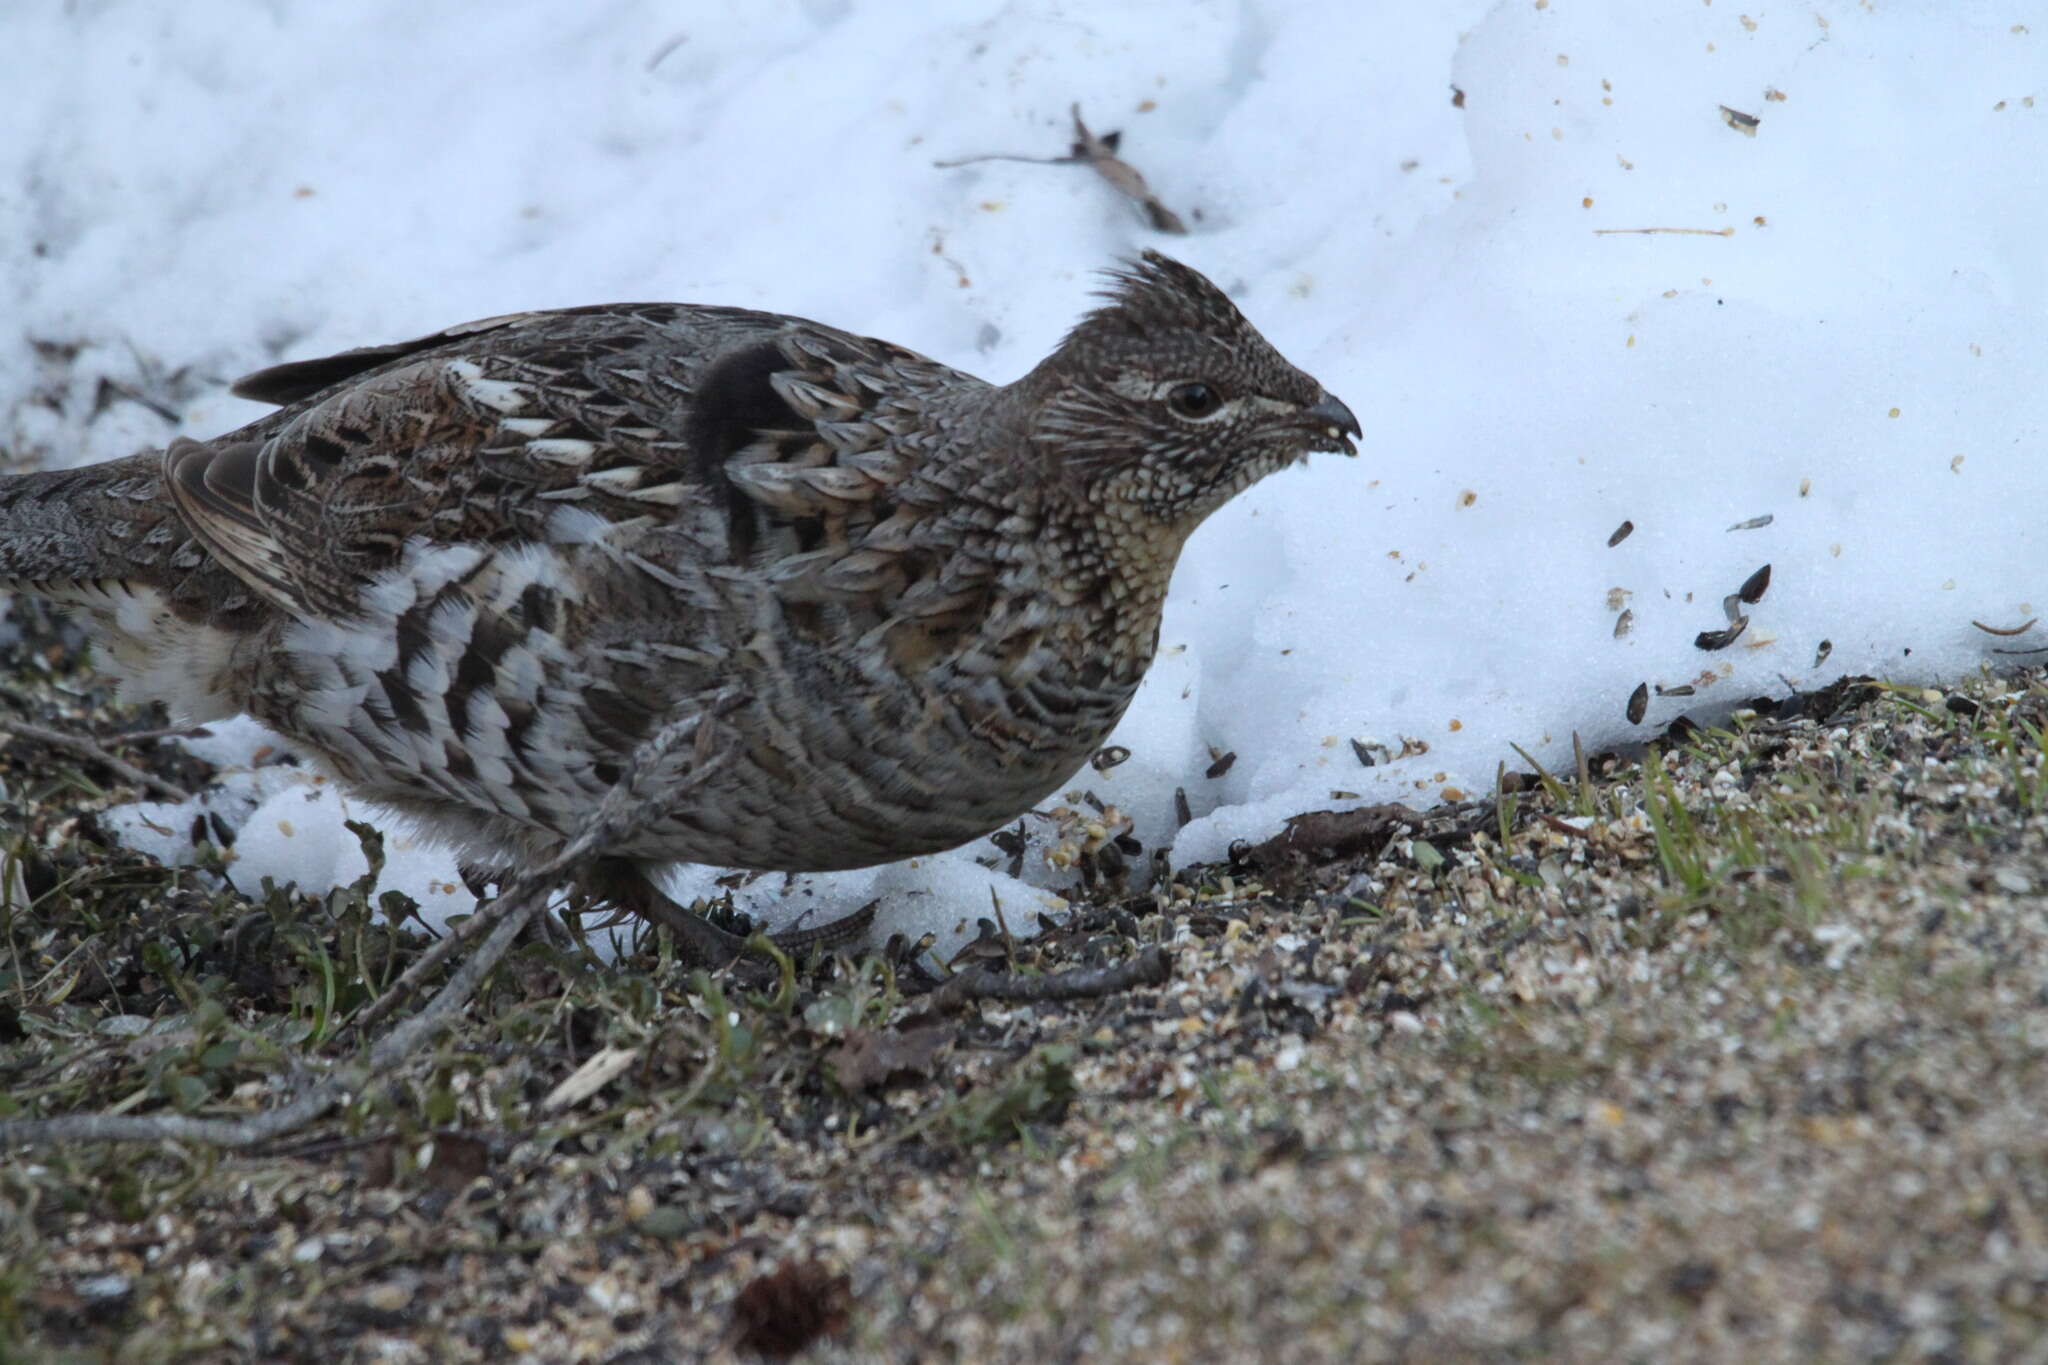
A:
(94, 752)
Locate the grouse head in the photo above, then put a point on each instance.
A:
(1163, 404)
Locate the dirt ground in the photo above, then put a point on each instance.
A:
(1732, 1051)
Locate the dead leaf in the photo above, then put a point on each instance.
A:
(1336, 833)
(869, 1058)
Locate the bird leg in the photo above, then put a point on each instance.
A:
(701, 942)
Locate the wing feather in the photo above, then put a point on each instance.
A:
(750, 436)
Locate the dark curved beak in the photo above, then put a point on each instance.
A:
(1335, 423)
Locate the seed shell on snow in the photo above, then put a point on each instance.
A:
(1754, 586)
(1721, 639)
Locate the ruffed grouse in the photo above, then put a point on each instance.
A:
(471, 572)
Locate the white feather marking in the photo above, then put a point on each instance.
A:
(433, 567)
(576, 526)
(519, 567)
(528, 426)
(562, 451)
(388, 597)
(622, 479)
(157, 656)
(487, 751)
(495, 394)
(427, 676)
(520, 674)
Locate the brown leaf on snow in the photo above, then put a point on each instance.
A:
(1336, 833)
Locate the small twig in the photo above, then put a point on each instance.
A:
(160, 732)
(1561, 825)
(1645, 232)
(402, 989)
(1005, 156)
(1099, 153)
(1151, 967)
(88, 749)
(2021, 629)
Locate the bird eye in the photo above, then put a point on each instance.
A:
(1193, 400)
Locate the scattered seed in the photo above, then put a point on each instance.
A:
(1721, 639)
(1182, 815)
(1754, 586)
(1682, 690)
(1371, 753)
(1624, 622)
(1754, 523)
(1827, 647)
(1731, 607)
(1621, 533)
(1109, 757)
(1745, 124)
(1221, 765)
(1638, 704)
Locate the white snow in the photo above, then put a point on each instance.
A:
(1854, 347)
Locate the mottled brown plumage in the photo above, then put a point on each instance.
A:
(472, 572)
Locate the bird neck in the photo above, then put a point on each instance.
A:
(1109, 574)
(1097, 557)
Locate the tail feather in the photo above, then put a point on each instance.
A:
(72, 534)
(104, 539)
(84, 526)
